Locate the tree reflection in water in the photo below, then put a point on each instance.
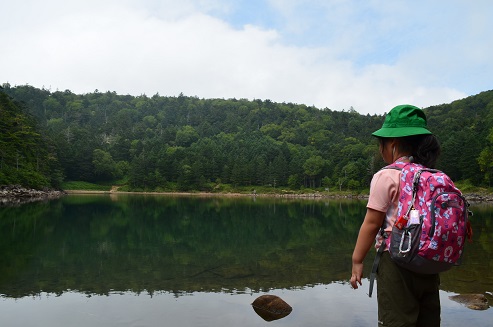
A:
(150, 244)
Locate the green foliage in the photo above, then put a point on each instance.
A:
(26, 157)
(485, 158)
(186, 143)
(313, 166)
(104, 165)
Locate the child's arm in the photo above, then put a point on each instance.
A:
(366, 237)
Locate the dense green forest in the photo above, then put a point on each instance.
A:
(26, 157)
(185, 143)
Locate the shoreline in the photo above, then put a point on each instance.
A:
(17, 195)
(316, 195)
(472, 198)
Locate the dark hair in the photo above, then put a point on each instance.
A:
(425, 149)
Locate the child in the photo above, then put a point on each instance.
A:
(404, 298)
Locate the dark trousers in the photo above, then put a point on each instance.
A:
(405, 298)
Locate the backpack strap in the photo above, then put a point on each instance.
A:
(376, 262)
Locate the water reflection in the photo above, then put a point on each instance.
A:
(149, 243)
(319, 305)
(171, 247)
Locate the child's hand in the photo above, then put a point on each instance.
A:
(357, 273)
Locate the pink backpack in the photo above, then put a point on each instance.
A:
(432, 226)
(429, 234)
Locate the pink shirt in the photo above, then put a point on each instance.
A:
(384, 197)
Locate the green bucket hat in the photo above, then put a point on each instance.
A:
(403, 120)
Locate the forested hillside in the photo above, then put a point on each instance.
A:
(26, 157)
(185, 143)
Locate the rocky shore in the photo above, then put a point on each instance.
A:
(11, 195)
(479, 198)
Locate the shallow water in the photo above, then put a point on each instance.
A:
(177, 261)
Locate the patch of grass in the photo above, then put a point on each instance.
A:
(79, 185)
(467, 187)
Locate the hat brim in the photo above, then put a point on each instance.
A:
(401, 132)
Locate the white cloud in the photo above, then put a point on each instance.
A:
(370, 57)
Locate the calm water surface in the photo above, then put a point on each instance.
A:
(140, 260)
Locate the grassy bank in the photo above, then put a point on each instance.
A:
(474, 193)
(85, 186)
(216, 189)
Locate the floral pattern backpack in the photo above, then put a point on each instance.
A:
(434, 221)
(432, 226)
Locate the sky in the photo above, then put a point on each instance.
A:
(368, 55)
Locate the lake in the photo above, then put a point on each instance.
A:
(154, 260)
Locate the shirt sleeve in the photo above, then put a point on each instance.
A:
(384, 190)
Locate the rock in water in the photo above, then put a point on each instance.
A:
(472, 301)
(271, 307)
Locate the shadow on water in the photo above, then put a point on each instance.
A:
(100, 245)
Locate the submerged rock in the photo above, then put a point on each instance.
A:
(271, 307)
(472, 301)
